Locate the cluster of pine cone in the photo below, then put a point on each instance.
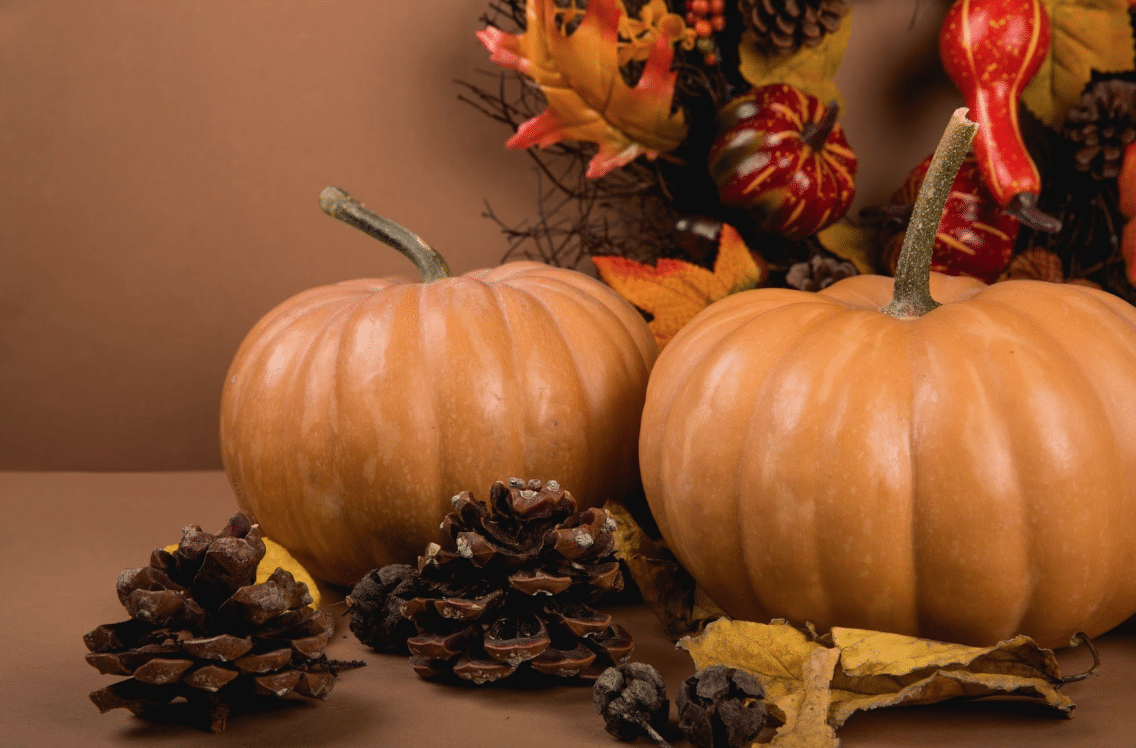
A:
(512, 592)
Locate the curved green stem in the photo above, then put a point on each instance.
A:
(912, 294)
(338, 204)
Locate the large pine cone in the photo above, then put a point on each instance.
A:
(512, 592)
(201, 628)
(781, 26)
(1101, 126)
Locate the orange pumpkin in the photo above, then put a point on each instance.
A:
(353, 412)
(963, 471)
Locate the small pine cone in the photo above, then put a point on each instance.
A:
(513, 591)
(781, 26)
(632, 699)
(820, 271)
(375, 605)
(200, 627)
(720, 707)
(1101, 126)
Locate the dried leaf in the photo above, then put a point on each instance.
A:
(868, 669)
(878, 669)
(580, 78)
(1087, 35)
(856, 244)
(811, 69)
(673, 291)
(667, 588)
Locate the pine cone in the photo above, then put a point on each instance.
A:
(781, 26)
(513, 592)
(1101, 126)
(820, 271)
(201, 628)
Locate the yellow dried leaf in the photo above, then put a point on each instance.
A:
(673, 291)
(856, 244)
(667, 588)
(869, 669)
(878, 669)
(811, 69)
(806, 711)
(1087, 35)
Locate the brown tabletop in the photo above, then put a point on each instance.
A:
(64, 537)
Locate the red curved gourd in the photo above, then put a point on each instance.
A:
(353, 412)
(991, 49)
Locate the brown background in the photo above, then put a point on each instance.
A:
(159, 166)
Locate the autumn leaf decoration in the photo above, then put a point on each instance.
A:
(813, 683)
(578, 72)
(673, 291)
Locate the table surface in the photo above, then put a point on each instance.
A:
(64, 537)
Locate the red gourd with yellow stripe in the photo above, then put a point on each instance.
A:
(975, 237)
(991, 49)
(781, 155)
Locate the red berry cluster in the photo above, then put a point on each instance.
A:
(706, 17)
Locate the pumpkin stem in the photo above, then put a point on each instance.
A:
(912, 294)
(338, 204)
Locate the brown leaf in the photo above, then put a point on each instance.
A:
(868, 669)
(667, 588)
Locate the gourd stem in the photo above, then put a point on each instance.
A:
(912, 292)
(338, 204)
(815, 134)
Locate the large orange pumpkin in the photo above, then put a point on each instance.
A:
(353, 412)
(965, 472)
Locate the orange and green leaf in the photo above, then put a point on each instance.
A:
(673, 291)
(579, 75)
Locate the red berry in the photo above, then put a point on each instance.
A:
(702, 28)
(717, 6)
(701, 7)
(691, 19)
(718, 22)
(710, 60)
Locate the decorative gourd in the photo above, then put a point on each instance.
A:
(353, 412)
(975, 236)
(991, 49)
(781, 155)
(962, 471)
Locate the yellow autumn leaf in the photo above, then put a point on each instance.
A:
(856, 244)
(810, 69)
(673, 291)
(1087, 35)
(277, 556)
(848, 670)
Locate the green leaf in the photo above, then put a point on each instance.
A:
(810, 69)
(1087, 35)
